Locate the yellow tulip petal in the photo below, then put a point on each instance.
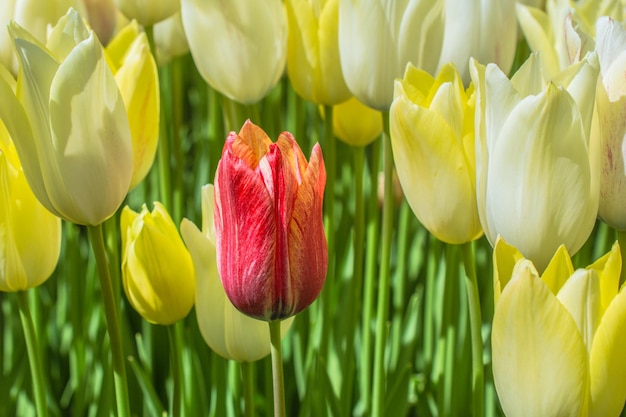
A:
(505, 258)
(580, 295)
(608, 268)
(540, 363)
(355, 123)
(608, 362)
(538, 33)
(558, 270)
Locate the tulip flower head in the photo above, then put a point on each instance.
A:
(355, 123)
(161, 288)
(313, 51)
(69, 123)
(377, 38)
(558, 339)
(432, 135)
(148, 12)
(536, 167)
(611, 107)
(238, 46)
(271, 247)
(226, 330)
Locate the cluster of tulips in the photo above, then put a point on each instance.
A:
(498, 119)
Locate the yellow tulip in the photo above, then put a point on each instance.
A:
(611, 107)
(432, 134)
(157, 269)
(68, 123)
(537, 169)
(558, 339)
(313, 51)
(136, 75)
(377, 38)
(227, 331)
(355, 123)
(238, 46)
(148, 12)
(31, 235)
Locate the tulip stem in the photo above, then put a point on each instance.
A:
(110, 312)
(277, 369)
(378, 399)
(621, 239)
(247, 378)
(32, 347)
(478, 384)
(175, 356)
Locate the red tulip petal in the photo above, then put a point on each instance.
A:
(250, 145)
(292, 155)
(245, 232)
(308, 251)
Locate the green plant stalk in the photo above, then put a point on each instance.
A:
(621, 238)
(34, 359)
(175, 361)
(110, 312)
(247, 377)
(277, 369)
(330, 162)
(354, 305)
(365, 365)
(478, 379)
(400, 283)
(378, 400)
(179, 157)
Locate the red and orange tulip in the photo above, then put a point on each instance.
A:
(271, 248)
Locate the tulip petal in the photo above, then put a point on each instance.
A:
(19, 128)
(581, 297)
(250, 145)
(608, 362)
(539, 359)
(308, 253)
(91, 136)
(539, 34)
(505, 258)
(244, 215)
(558, 270)
(608, 268)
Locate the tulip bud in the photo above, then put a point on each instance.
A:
(271, 247)
(567, 326)
(148, 12)
(157, 269)
(30, 242)
(238, 46)
(355, 123)
(225, 329)
(69, 123)
(313, 51)
(432, 135)
(170, 39)
(136, 75)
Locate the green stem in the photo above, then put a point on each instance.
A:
(247, 377)
(277, 369)
(621, 238)
(32, 347)
(110, 312)
(354, 301)
(373, 221)
(378, 401)
(330, 162)
(175, 358)
(478, 384)
(176, 109)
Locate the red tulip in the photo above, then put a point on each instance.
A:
(271, 248)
